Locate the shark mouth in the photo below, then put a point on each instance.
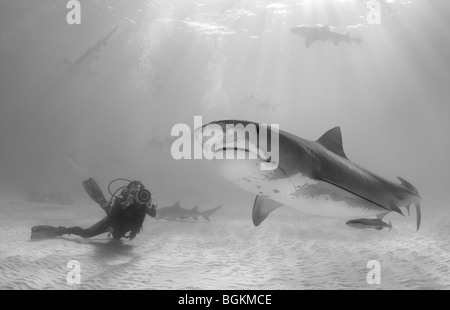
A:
(257, 156)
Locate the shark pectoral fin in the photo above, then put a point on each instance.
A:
(381, 215)
(262, 207)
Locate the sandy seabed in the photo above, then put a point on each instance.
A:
(290, 250)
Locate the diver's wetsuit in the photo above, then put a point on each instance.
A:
(119, 220)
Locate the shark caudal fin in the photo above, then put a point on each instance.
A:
(405, 184)
(208, 213)
(418, 214)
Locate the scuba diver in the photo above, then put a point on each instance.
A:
(124, 213)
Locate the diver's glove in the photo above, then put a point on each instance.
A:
(151, 210)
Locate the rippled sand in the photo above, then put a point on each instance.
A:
(290, 250)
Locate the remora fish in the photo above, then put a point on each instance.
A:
(178, 213)
(322, 33)
(377, 223)
(313, 176)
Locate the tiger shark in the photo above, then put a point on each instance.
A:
(312, 176)
(176, 212)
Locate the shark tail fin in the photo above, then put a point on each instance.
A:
(408, 186)
(208, 213)
(418, 214)
(407, 208)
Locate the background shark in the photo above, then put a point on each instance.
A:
(81, 65)
(313, 176)
(322, 33)
(369, 224)
(176, 212)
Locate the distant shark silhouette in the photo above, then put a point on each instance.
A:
(82, 64)
(312, 176)
(322, 33)
(176, 212)
(74, 165)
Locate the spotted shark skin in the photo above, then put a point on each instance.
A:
(312, 176)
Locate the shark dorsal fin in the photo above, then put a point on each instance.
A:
(332, 140)
(177, 204)
(195, 209)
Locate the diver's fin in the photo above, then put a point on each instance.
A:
(332, 140)
(381, 215)
(208, 213)
(45, 232)
(94, 191)
(262, 207)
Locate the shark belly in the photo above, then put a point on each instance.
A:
(298, 191)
